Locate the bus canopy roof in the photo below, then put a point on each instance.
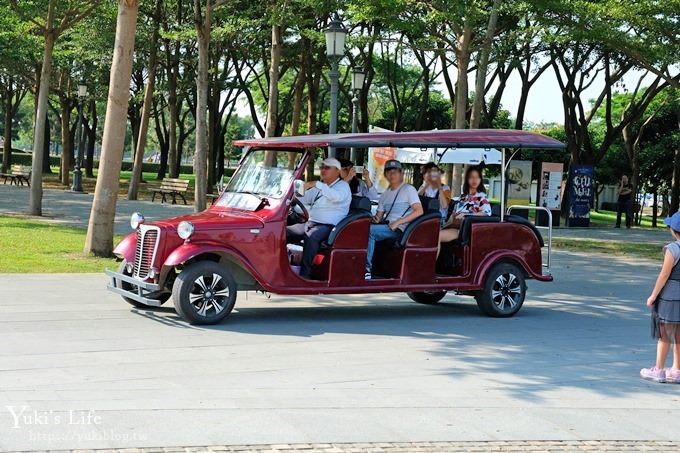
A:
(450, 138)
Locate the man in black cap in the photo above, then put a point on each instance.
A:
(397, 206)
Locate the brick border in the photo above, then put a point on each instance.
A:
(416, 447)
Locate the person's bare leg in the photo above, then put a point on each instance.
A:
(662, 347)
(676, 348)
(448, 235)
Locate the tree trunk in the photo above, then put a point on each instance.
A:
(655, 200)
(313, 81)
(135, 116)
(521, 108)
(35, 204)
(91, 139)
(483, 64)
(99, 239)
(203, 27)
(146, 110)
(213, 107)
(66, 148)
(461, 102)
(46, 142)
(273, 103)
(7, 155)
(297, 109)
(172, 131)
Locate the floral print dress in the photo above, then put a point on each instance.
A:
(473, 204)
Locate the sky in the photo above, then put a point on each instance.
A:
(544, 104)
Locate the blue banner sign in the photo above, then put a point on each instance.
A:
(580, 195)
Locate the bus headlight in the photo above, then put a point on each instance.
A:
(135, 220)
(185, 230)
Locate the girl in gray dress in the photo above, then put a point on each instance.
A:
(665, 304)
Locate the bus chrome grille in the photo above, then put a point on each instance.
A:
(145, 253)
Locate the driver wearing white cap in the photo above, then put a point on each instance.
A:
(327, 202)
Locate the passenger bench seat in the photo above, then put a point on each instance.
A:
(430, 211)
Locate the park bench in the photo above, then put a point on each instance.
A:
(212, 197)
(219, 186)
(172, 187)
(18, 175)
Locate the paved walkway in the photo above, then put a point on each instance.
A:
(73, 209)
(89, 371)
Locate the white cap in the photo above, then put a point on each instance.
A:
(332, 162)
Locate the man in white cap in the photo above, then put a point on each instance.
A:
(327, 202)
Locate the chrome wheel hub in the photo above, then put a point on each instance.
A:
(209, 295)
(506, 292)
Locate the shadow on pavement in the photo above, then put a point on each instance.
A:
(589, 329)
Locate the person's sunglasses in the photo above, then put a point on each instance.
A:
(325, 167)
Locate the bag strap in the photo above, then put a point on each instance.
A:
(396, 197)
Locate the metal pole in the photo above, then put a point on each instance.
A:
(333, 126)
(355, 124)
(77, 174)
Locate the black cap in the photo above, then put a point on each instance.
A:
(392, 164)
(346, 163)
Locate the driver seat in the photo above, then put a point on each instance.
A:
(342, 258)
(344, 234)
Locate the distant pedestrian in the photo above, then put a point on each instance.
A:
(665, 304)
(624, 202)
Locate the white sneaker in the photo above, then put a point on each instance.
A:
(367, 275)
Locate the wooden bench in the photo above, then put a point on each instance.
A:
(172, 187)
(18, 175)
(212, 197)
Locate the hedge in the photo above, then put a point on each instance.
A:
(21, 158)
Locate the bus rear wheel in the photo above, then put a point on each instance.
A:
(427, 297)
(504, 291)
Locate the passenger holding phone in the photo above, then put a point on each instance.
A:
(434, 188)
(359, 186)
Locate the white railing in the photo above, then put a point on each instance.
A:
(549, 227)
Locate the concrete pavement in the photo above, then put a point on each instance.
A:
(89, 371)
(73, 209)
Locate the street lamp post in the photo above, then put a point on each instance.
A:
(335, 50)
(77, 173)
(358, 77)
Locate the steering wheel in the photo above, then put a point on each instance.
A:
(297, 213)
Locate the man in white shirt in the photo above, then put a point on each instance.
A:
(327, 202)
(397, 207)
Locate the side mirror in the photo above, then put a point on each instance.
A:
(299, 186)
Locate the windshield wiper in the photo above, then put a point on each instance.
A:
(255, 194)
(263, 200)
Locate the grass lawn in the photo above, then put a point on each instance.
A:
(618, 248)
(31, 246)
(608, 218)
(148, 178)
